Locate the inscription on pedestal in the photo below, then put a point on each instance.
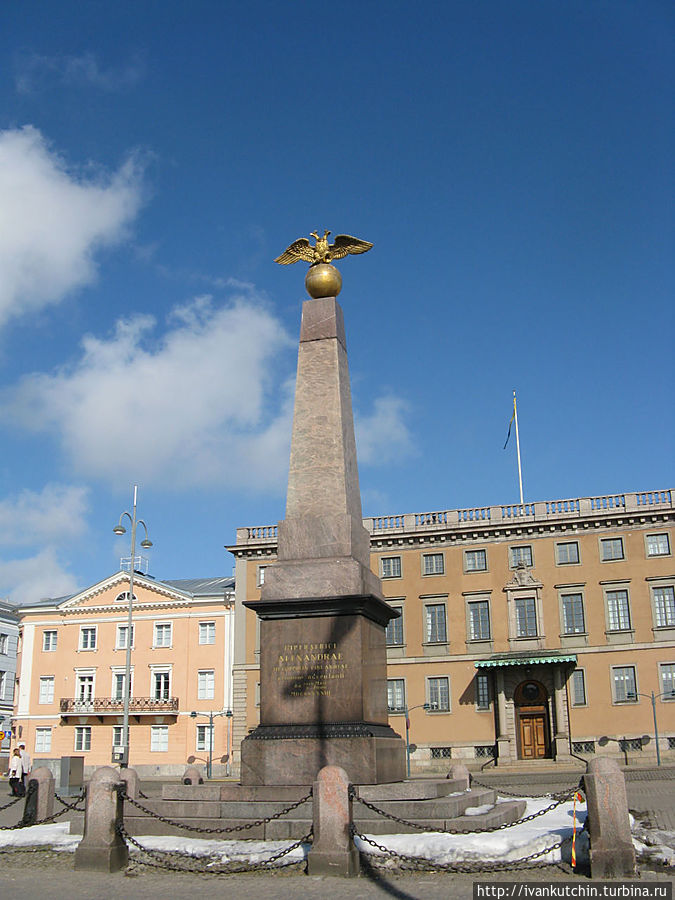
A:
(311, 668)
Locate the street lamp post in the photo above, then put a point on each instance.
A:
(211, 716)
(652, 696)
(146, 543)
(408, 710)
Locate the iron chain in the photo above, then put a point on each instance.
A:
(208, 869)
(74, 805)
(567, 792)
(11, 803)
(229, 830)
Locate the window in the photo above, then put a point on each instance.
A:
(479, 620)
(439, 694)
(159, 738)
(162, 634)
(436, 631)
(83, 737)
(658, 545)
(207, 632)
(578, 688)
(390, 567)
(475, 560)
(526, 617)
(482, 692)
(623, 678)
(122, 632)
(206, 684)
(87, 637)
(667, 673)
(3, 684)
(567, 553)
(4, 644)
(124, 598)
(49, 640)
(118, 737)
(119, 680)
(396, 694)
(664, 607)
(84, 689)
(433, 564)
(573, 614)
(204, 737)
(611, 548)
(43, 740)
(261, 575)
(618, 611)
(161, 685)
(394, 633)
(518, 555)
(46, 689)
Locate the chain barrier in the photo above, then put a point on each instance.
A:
(24, 823)
(207, 867)
(567, 792)
(11, 803)
(418, 864)
(74, 805)
(226, 830)
(425, 827)
(141, 794)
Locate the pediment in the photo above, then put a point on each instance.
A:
(105, 594)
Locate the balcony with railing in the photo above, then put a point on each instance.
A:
(112, 706)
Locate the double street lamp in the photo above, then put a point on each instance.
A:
(211, 716)
(146, 543)
(652, 696)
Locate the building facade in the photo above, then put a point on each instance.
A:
(537, 631)
(9, 637)
(72, 674)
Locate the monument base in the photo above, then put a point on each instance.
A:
(296, 760)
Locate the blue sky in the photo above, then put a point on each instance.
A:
(511, 162)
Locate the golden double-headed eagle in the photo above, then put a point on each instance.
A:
(322, 251)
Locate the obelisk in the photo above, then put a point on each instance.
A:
(323, 666)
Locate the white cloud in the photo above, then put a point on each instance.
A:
(53, 221)
(36, 71)
(31, 579)
(53, 516)
(383, 436)
(199, 405)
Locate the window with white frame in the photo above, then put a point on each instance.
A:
(83, 737)
(206, 684)
(207, 632)
(118, 682)
(578, 687)
(394, 633)
(475, 560)
(162, 634)
(567, 553)
(159, 738)
(124, 598)
(46, 694)
(390, 567)
(161, 684)
(667, 673)
(664, 606)
(396, 694)
(3, 684)
(4, 644)
(433, 564)
(623, 684)
(658, 544)
(482, 691)
(618, 611)
(526, 617)
(436, 626)
(573, 614)
(611, 548)
(122, 634)
(87, 637)
(261, 575)
(520, 556)
(118, 736)
(479, 620)
(49, 640)
(43, 740)
(204, 737)
(84, 688)
(438, 694)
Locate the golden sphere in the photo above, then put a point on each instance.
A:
(323, 280)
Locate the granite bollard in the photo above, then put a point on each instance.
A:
(333, 851)
(102, 848)
(130, 779)
(39, 796)
(192, 775)
(459, 772)
(611, 845)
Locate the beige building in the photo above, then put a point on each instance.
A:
(72, 664)
(531, 631)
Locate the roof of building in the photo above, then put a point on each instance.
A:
(202, 587)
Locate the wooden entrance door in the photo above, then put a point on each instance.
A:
(533, 735)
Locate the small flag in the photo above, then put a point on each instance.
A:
(509, 434)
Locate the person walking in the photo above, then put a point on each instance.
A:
(25, 763)
(16, 774)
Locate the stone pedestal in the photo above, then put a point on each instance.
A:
(102, 848)
(333, 851)
(323, 665)
(612, 853)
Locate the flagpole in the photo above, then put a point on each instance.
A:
(520, 471)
